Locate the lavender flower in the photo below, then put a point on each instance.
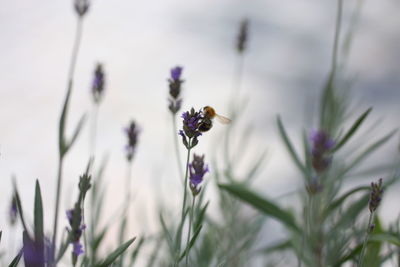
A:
(81, 7)
(132, 134)
(13, 212)
(76, 230)
(197, 172)
(175, 83)
(376, 195)
(320, 151)
(190, 128)
(243, 36)
(98, 83)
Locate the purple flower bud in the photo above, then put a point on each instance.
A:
(98, 84)
(376, 195)
(132, 133)
(175, 83)
(197, 170)
(322, 145)
(190, 127)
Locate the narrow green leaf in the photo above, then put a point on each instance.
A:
(352, 130)
(16, 260)
(262, 204)
(98, 239)
(191, 243)
(19, 206)
(353, 254)
(63, 118)
(121, 239)
(38, 221)
(76, 132)
(167, 234)
(350, 215)
(283, 245)
(1, 233)
(200, 217)
(368, 151)
(136, 251)
(116, 253)
(338, 202)
(386, 237)
(289, 145)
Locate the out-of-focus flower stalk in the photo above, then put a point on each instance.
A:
(74, 57)
(374, 201)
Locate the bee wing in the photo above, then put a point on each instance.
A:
(222, 119)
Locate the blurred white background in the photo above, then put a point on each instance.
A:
(288, 58)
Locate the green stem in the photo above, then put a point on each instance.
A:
(178, 154)
(186, 181)
(189, 231)
(361, 260)
(93, 133)
(336, 37)
(59, 182)
(183, 203)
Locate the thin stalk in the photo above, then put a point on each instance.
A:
(186, 181)
(128, 185)
(59, 182)
(362, 254)
(236, 87)
(93, 133)
(189, 231)
(178, 154)
(74, 57)
(336, 37)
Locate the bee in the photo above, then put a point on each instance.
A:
(208, 115)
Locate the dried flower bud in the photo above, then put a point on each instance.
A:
(132, 133)
(243, 36)
(376, 195)
(98, 84)
(197, 172)
(81, 7)
(13, 211)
